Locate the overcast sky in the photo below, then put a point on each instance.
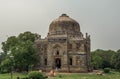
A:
(100, 18)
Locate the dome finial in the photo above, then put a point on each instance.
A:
(64, 15)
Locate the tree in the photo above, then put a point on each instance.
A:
(22, 48)
(24, 55)
(118, 50)
(105, 55)
(11, 41)
(22, 37)
(96, 61)
(6, 65)
(28, 36)
(2, 56)
(116, 60)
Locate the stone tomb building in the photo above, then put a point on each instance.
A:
(64, 48)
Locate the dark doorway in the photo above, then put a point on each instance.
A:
(70, 61)
(45, 61)
(58, 63)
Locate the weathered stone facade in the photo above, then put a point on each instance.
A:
(64, 48)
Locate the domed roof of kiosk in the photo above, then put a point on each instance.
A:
(64, 24)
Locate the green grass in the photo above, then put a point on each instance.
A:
(15, 75)
(112, 75)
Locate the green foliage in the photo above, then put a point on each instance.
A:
(106, 70)
(24, 55)
(2, 56)
(6, 65)
(35, 75)
(105, 56)
(11, 41)
(22, 49)
(22, 37)
(28, 36)
(116, 60)
(97, 62)
(118, 50)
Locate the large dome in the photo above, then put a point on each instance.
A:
(64, 24)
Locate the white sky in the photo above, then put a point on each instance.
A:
(100, 18)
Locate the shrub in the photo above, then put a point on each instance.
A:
(106, 70)
(35, 75)
(3, 71)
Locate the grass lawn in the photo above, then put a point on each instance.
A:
(15, 75)
(112, 75)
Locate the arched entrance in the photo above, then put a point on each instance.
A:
(58, 63)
